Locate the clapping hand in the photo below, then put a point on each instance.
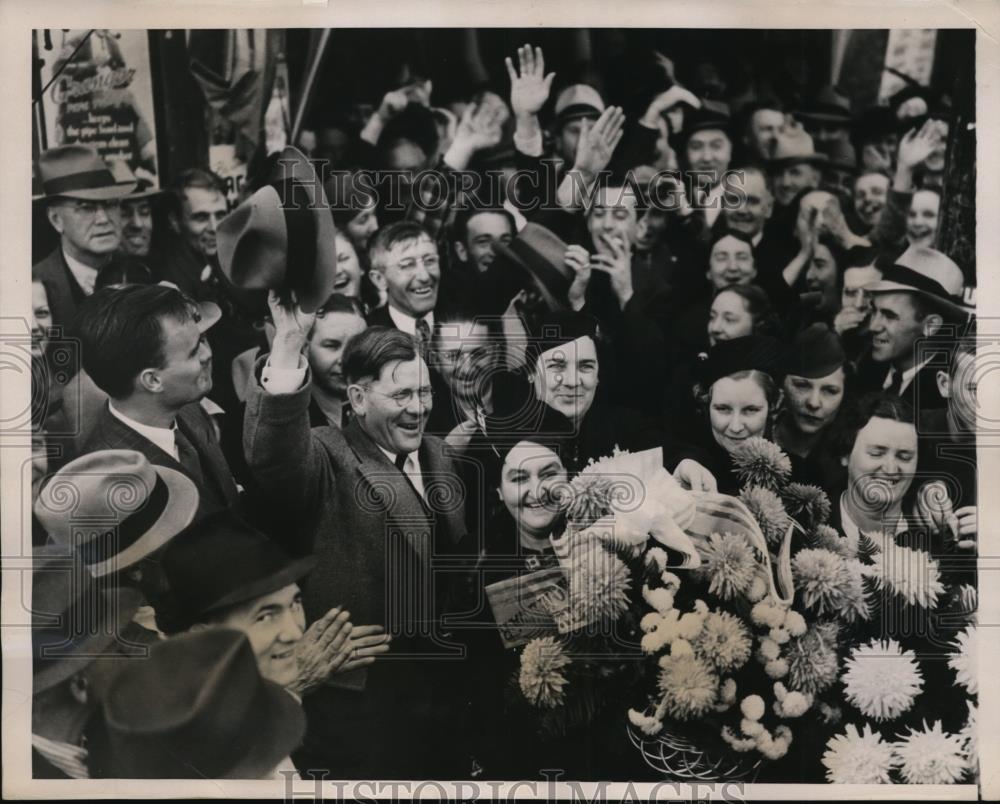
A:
(364, 644)
(617, 265)
(578, 260)
(319, 651)
(529, 86)
(598, 141)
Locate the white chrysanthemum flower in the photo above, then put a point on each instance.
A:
(541, 677)
(931, 756)
(768, 511)
(812, 659)
(724, 641)
(858, 757)
(689, 686)
(599, 583)
(760, 462)
(881, 680)
(647, 724)
(729, 565)
(911, 574)
(963, 660)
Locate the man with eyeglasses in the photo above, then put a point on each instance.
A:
(82, 202)
(374, 501)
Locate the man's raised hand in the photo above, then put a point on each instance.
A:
(598, 141)
(529, 86)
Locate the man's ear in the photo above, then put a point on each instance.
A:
(461, 251)
(944, 384)
(377, 278)
(931, 324)
(149, 380)
(55, 218)
(356, 396)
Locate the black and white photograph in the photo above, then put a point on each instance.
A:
(422, 405)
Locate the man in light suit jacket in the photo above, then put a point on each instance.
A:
(376, 502)
(144, 346)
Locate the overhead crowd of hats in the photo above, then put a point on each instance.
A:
(657, 462)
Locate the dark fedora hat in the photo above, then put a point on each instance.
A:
(283, 236)
(77, 171)
(795, 147)
(112, 508)
(711, 115)
(198, 707)
(539, 253)
(142, 187)
(828, 106)
(220, 561)
(74, 618)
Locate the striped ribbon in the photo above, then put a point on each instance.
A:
(718, 513)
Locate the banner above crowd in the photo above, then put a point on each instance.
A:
(99, 91)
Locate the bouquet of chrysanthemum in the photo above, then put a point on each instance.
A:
(614, 508)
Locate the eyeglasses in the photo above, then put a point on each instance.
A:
(404, 397)
(428, 261)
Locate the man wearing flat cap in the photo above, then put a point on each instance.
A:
(82, 203)
(918, 296)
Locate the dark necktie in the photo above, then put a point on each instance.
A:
(423, 335)
(896, 386)
(187, 455)
(400, 461)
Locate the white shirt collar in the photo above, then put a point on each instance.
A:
(163, 437)
(411, 468)
(757, 238)
(908, 375)
(85, 276)
(850, 527)
(407, 323)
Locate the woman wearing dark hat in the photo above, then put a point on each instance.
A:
(816, 381)
(738, 391)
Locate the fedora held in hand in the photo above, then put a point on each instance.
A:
(539, 254)
(283, 236)
(199, 708)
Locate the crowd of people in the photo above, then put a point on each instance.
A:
(302, 434)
